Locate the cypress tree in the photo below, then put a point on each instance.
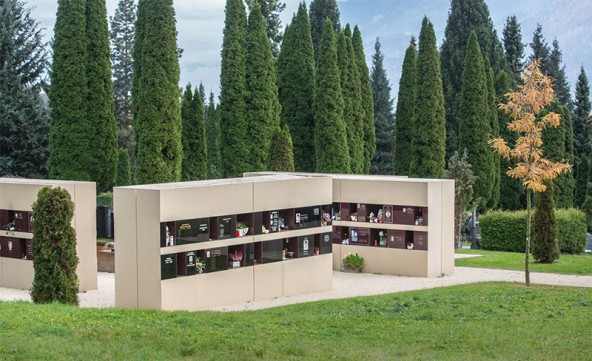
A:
(71, 132)
(194, 166)
(295, 80)
(403, 152)
(281, 156)
(544, 238)
(475, 128)
(54, 248)
(384, 118)
(123, 169)
(581, 117)
(514, 48)
(557, 72)
(331, 149)
(271, 9)
(159, 151)
(197, 108)
(429, 143)
(100, 103)
(464, 16)
(567, 178)
(494, 125)
(367, 99)
(139, 30)
(213, 141)
(510, 188)
(352, 102)
(233, 125)
(262, 105)
(582, 178)
(319, 11)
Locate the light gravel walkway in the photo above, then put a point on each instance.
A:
(344, 285)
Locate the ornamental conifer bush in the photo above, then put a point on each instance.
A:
(544, 238)
(123, 169)
(54, 248)
(281, 154)
(404, 126)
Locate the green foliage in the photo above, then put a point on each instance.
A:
(587, 209)
(495, 132)
(582, 178)
(465, 16)
(213, 140)
(403, 152)
(544, 236)
(581, 117)
(353, 262)
(124, 177)
(319, 11)
(281, 155)
(159, 152)
(514, 48)
(105, 199)
(429, 142)
(295, 80)
(262, 106)
(384, 117)
(475, 128)
(540, 49)
(271, 10)
(557, 72)
(331, 148)
(193, 138)
(460, 170)
(71, 132)
(504, 231)
(54, 248)
(352, 102)
(100, 103)
(366, 91)
(232, 108)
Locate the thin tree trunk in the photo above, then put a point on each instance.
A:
(526, 263)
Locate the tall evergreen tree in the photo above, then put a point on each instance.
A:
(331, 149)
(540, 49)
(123, 169)
(352, 102)
(367, 99)
(514, 48)
(262, 105)
(465, 16)
(159, 151)
(295, 80)
(122, 43)
(557, 72)
(582, 178)
(384, 118)
(271, 10)
(197, 108)
(319, 11)
(24, 125)
(71, 132)
(403, 152)
(494, 125)
(281, 156)
(510, 188)
(568, 179)
(544, 238)
(233, 124)
(194, 166)
(475, 128)
(581, 119)
(213, 140)
(429, 143)
(100, 103)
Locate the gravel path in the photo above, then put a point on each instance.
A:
(344, 285)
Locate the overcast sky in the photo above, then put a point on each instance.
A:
(200, 24)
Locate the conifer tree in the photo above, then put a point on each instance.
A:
(331, 149)
(540, 49)
(281, 156)
(403, 152)
(262, 105)
(545, 248)
(582, 178)
(475, 128)
(295, 80)
(352, 102)
(194, 166)
(494, 125)
(233, 125)
(71, 132)
(100, 103)
(567, 179)
(581, 118)
(514, 48)
(367, 99)
(429, 143)
(213, 140)
(123, 169)
(556, 71)
(137, 49)
(271, 9)
(465, 16)
(159, 151)
(319, 11)
(384, 118)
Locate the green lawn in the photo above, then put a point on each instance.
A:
(567, 263)
(497, 321)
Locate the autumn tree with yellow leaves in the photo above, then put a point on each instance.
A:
(531, 167)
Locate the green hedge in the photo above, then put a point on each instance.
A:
(506, 231)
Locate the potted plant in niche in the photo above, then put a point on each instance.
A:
(353, 263)
(236, 257)
(241, 229)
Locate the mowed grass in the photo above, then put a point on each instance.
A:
(493, 321)
(566, 264)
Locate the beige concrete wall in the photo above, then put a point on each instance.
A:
(396, 191)
(448, 227)
(148, 248)
(390, 261)
(126, 258)
(307, 275)
(16, 273)
(268, 281)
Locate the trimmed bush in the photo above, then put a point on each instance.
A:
(54, 248)
(506, 231)
(105, 199)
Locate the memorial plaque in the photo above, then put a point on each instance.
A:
(326, 244)
(192, 231)
(305, 246)
(396, 239)
(404, 215)
(420, 240)
(387, 214)
(168, 266)
(359, 235)
(274, 221)
(362, 212)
